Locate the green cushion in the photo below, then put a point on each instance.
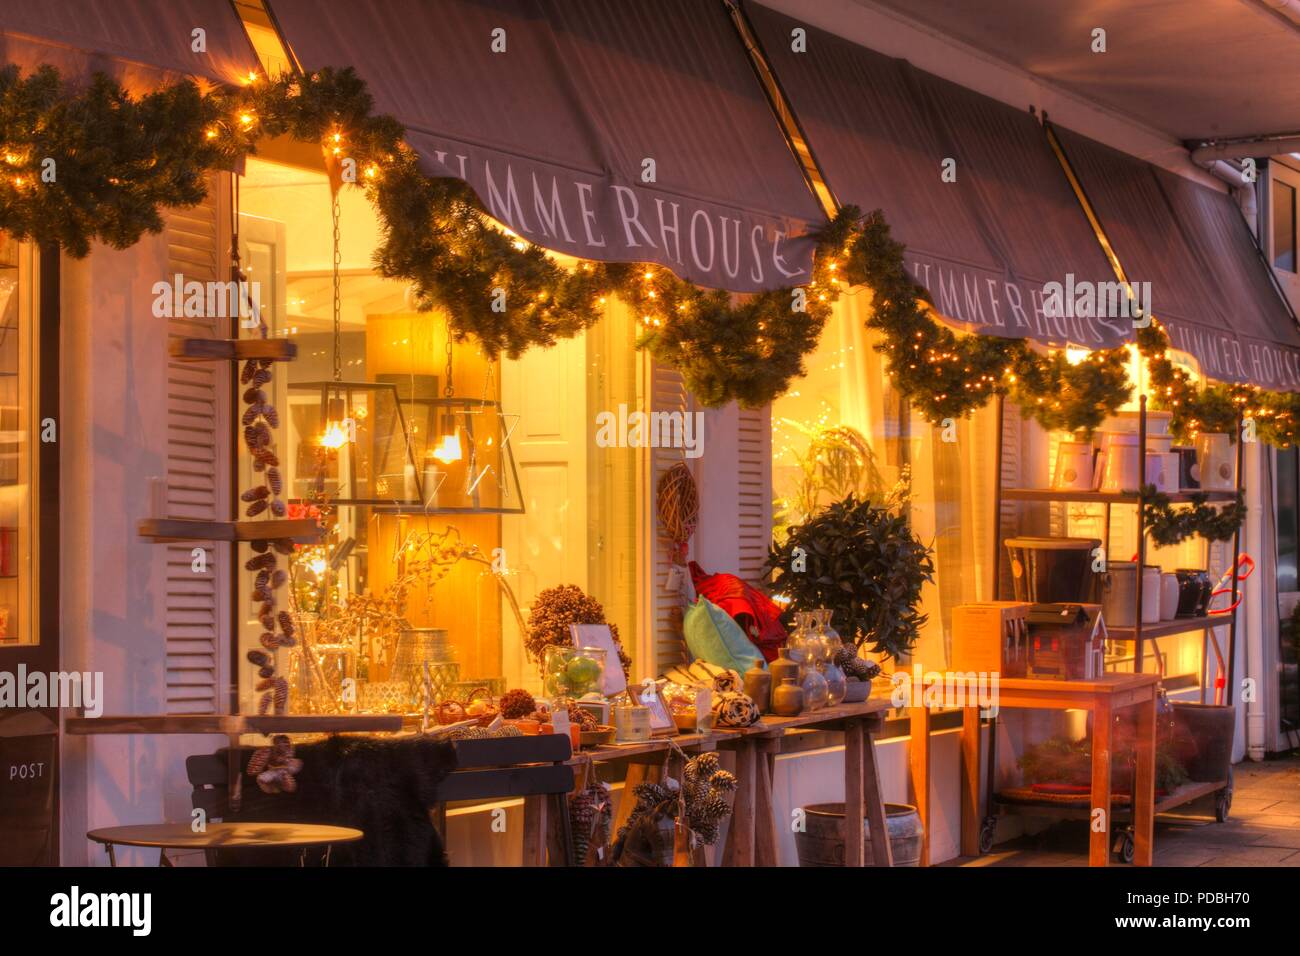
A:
(712, 636)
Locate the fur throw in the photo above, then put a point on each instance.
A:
(385, 788)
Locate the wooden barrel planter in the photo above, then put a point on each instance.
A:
(821, 842)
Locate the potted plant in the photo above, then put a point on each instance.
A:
(863, 563)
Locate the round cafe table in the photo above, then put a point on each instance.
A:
(220, 836)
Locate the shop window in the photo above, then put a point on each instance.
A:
(19, 442)
(455, 488)
(1284, 226)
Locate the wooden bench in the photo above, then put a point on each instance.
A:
(533, 768)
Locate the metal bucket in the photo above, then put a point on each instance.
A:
(821, 842)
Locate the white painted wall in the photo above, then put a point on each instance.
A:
(112, 435)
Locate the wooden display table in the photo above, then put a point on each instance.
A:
(751, 838)
(219, 836)
(1104, 699)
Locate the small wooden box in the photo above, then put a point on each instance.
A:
(991, 637)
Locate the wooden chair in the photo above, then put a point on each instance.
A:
(210, 776)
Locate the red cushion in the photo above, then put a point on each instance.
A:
(756, 613)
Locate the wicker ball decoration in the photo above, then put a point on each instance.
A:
(732, 709)
(678, 501)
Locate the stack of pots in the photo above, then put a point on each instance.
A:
(1118, 466)
(1111, 464)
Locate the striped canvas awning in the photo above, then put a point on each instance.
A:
(630, 131)
(141, 43)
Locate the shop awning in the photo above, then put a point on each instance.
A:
(631, 131)
(138, 42)
(1210, 286)
(986, 244)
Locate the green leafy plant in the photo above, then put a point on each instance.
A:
(862, 562)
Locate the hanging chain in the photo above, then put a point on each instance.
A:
(447, 390)
(338, 298)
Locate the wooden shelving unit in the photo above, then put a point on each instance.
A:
(1108, 497)
(1140, 632)
(167, 530)
(226, 350)
(233, 725)
(1179, 625)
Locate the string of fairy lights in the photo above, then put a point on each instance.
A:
(118, 160)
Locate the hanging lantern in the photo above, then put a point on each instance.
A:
(468, 465)
(356, 434)
(447, 455)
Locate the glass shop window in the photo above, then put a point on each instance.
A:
(453, 488)
(18, 431)
(1284, 226)
(18, 446)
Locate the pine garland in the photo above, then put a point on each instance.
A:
(118, 161)
(1168, 525)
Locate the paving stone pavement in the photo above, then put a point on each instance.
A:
(1262, 830)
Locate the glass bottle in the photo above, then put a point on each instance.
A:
(798, 642)
(829, 646)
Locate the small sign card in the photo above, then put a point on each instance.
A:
(599, 635)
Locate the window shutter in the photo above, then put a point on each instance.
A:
(198, 402)
(1011, 476)
(754, 492)
(663, 609)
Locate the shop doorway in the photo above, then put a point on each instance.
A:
(29, 635)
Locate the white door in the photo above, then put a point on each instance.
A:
(546, 388)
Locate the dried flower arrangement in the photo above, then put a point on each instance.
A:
(558, 607)
(379, 618)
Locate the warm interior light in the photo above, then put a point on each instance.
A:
(335, 436)
(447, 445)
(448, 449)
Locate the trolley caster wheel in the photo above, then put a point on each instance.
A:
(1223, 801)
(1223, 805)
(1125, 846)
(986, 835)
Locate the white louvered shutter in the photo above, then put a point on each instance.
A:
(662, 609)
(754, 491)
(1011, 475)
(198, 468)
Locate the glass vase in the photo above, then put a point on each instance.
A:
(799, 637)
(572, 671)
(837, 683)
(816, 692)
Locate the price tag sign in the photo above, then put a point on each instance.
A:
(560, 720)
